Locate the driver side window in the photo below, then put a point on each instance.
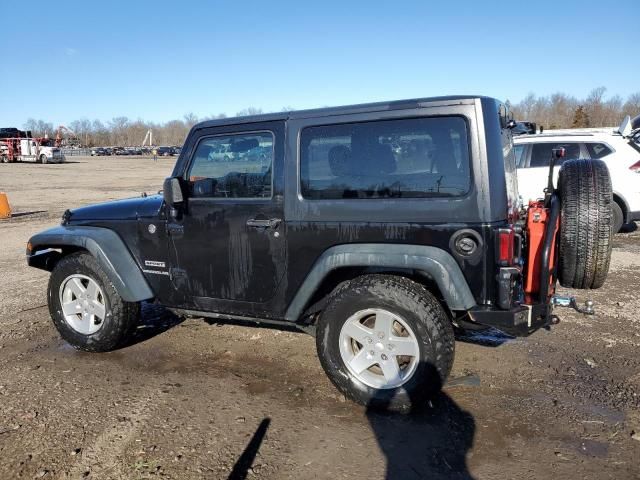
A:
(232, 166)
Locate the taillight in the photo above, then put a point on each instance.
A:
(506, 241)
(635, 167)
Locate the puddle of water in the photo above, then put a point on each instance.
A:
(609, 415)
(589, 448)
(466, 381)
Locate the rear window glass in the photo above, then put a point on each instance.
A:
(598, 150)
(404, 158)
(541, 153)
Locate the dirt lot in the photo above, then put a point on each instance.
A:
(201, 400)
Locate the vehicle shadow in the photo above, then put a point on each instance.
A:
(154, 320)
(431, 441)
(245, 461)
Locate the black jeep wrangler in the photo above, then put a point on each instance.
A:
(378, 228)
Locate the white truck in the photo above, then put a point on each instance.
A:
(39, 150)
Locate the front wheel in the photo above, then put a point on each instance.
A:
(385, 342)
(86, 308)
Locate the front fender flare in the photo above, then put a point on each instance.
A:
(435, 262)
(108, 249)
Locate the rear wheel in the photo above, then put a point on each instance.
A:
(43, 158)
(618, 217)
(587, 220)
(86, 308)
(385, 342)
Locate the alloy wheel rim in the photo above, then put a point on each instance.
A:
(379, 348)
(83, 304)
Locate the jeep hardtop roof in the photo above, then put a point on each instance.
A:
(346, 110)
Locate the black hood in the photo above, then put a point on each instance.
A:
(127, 209)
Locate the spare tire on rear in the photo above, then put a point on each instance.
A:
(586, 221)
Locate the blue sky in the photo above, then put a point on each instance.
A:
(159, 60)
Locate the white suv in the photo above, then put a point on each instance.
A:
(616, 147)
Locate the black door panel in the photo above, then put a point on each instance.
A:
(232, 247)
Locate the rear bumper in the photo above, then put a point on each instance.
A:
(519, 321)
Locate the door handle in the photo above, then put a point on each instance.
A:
(268, 223)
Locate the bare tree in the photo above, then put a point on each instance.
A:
(118, 127)
(249, 111)
(190, 119)
(559, 110)
(632, 105)
(38, 128)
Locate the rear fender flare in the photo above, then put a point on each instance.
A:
(108, 249)
(435, 262)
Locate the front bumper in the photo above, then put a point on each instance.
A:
(519, 321)
(43, 259)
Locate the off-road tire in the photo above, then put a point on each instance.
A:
(43, 159)
(586, 223)
(424, 314)
(618, 217)
(121, 317)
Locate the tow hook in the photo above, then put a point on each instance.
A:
(560, 301)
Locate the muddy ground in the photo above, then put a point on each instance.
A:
(192, 399)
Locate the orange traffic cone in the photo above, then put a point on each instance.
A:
(5, 208)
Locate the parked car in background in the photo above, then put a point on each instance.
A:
(522, 128)
(164, 151)
(220, 153)
(614, 146)
(98, 152)
(258, 154)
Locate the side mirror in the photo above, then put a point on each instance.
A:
(172, 192)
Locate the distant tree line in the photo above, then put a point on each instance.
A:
(560, 110)
(121, 131)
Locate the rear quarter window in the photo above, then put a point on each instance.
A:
(400, 158)
(598, 150)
